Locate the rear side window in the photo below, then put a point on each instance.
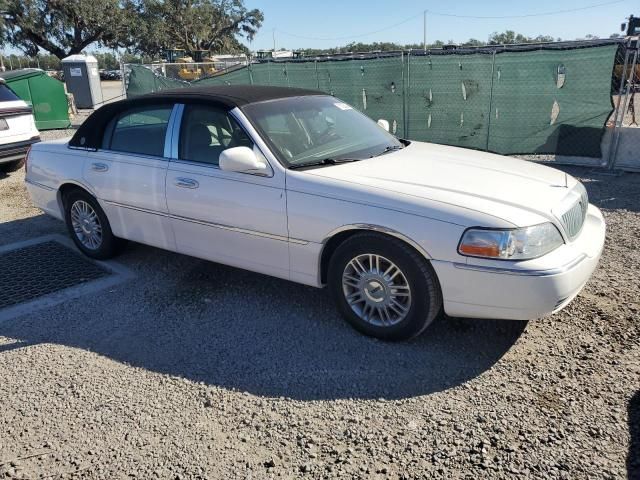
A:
(7, 95)
(141, 131)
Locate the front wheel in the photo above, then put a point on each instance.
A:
(383, 287)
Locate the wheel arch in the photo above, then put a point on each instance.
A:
(68, 186)
(339, 235)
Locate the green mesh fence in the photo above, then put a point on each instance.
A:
(240, 76)
(449, 99)
(302, 75)
(141, 80)
(534, 111)
(541, 100)
(373, 86)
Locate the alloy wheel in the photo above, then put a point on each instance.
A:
(376, 290)
(86, 224)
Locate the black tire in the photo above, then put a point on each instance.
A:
(426, 296)
(11, 166)
(110, 245)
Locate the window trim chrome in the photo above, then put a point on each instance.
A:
(165, 160)
(169, 134)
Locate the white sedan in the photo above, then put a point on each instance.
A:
(17, 129)
(299, 185)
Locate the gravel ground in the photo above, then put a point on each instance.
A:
(196, 370)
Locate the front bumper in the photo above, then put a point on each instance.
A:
(11, 152)
(523, 290)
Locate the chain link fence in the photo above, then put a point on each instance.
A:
(623, 132)
(565, 102)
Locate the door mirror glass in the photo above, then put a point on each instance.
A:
(242, 160)
(384, 124)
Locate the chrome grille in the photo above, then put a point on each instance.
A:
(573, 218)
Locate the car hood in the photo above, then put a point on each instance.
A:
(517, 191)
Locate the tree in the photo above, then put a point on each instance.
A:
(372, 47)
(194, 25)
(472, 42)
(543, 39)
(63, 27)
(506, 38)
(107, 60)
(66, 27)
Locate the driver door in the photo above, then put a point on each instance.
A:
(238, 219)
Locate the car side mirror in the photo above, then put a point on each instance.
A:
(242, 160)
(384, 124)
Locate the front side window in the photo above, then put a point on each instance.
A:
(140, 130)
(310, 129)
(206, 132)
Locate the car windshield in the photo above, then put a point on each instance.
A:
(316, 130)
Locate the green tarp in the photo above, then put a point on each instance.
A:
(541, 100)
(143, 80)
(530, 114)
(448, 99)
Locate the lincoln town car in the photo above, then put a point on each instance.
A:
(299, 185)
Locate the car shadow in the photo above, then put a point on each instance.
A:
(245, 331)
(27, 228)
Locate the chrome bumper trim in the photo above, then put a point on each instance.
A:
(210, 224)
(521, 272)
(36, 184)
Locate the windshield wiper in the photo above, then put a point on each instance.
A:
(390, 148)
(325, 161)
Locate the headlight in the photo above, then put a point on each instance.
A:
(516, 244)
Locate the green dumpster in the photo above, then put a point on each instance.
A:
(46, 96)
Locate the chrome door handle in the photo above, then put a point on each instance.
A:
(186, 183)
(99, 167)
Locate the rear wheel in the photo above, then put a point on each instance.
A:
(89, 227)
(383, 287)
(11, 166)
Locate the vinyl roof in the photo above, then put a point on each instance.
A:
(89, 135)
(235, 95)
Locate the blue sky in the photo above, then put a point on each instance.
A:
(334, 23)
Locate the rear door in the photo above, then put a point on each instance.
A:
(128, 174)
